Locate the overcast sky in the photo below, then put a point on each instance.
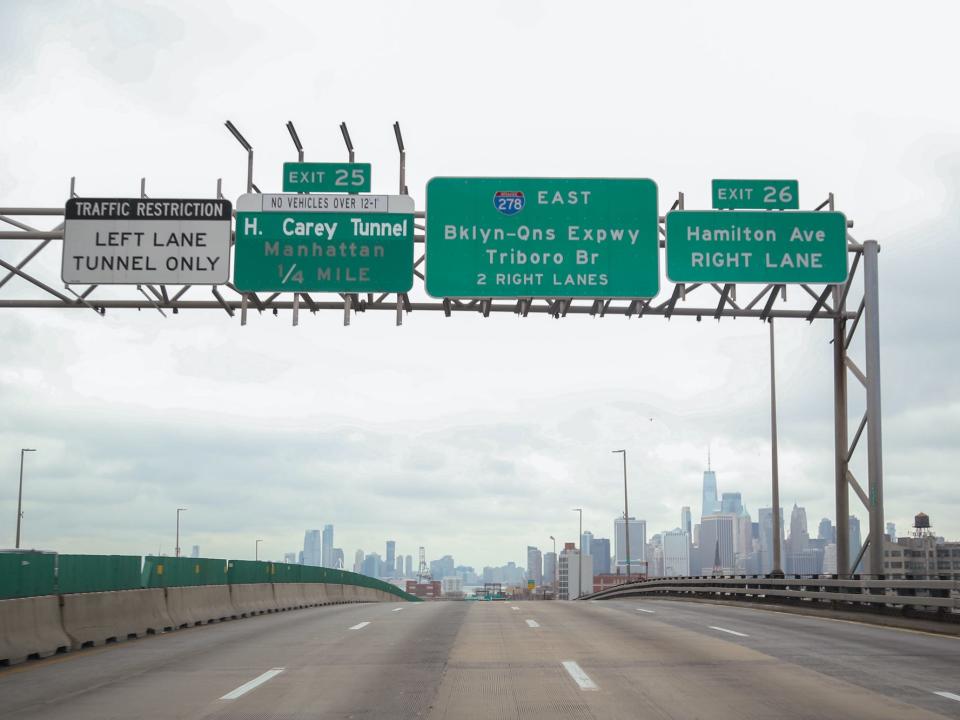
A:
(470, 436)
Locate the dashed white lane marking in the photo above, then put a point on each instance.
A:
(579, 676)
(397, 609)
(732, 632)
(248, 686)
(644, 610)
(360, 626)
(514, 607)
(948, 695)
(533, 623)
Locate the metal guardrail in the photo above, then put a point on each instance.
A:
(828, 592)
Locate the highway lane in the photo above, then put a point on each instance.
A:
(500, 660)
(387, 668)
(900, 664)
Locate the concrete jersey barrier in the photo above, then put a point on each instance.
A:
(95, 618)
(199, 604)
(30, 626)
(253, 598)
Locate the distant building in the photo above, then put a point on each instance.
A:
(686, 521)
(826, 531)
(312, 548)
(290, 558)
(391, 562)
(585, 540)
(731, 502)
(710, 504)
(766, 540)
(373, 565)
(398, 571)
(300, 557)
(195, 551)
(891, 532)
(676, 553)
(534, 565)
(408, 566)
(855, 543)
(358, 558)
(509, 574)
(638, 544)
(452, 586)
(327, 555)
(829, 559)
(550, 569)
(716, 538)
(442, 568)
(571, 583)
(600, 552)
(338, 558)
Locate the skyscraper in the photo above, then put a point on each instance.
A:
(358, 561)
(391, 557)
(290, 558)
(766, 540)
(338, 558)
(600, 552)
(408, 566)
(534, 565)
(439, 569)
(585, 541)
(855, 543)
(686, 521)
(710, 504)
(891, 532)
(638, 544)
(327, 555)
(731, 502)
(550, 569)
(676, 553)
(195, 552)
(716, 538)
(312, 548)
(799, 538)
(826, 531)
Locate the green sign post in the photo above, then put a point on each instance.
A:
(306, 177)
(756, 194)
(756, 247)
(542, 237)
(324, 243)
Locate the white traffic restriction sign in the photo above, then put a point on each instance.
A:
(128, 241)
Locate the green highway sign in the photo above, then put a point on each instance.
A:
(542, 237)
(326, 177)
(743, 246)
(324, 243)
(756, 195)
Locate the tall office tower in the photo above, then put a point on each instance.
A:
(408, 566)
(327, 555)
(891, 532)
(195, 551)
(391, 557)
(731, 502)
(575, 574)
(716, 539)
(373, 565)
(290, 558)
(585, 540)
(676, 553)
(855, 543)
(312, 554)
(829, 559)
(358, 558)
(638, 545)
(338, 558)
(766, 540)
(300, 558)
(710, 504)
(826, 531)
(799, 538)
(534, 565)
(686, 521)
(550, 569)
(442, 568)
(600, 552)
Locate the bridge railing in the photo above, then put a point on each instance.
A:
(939, 597)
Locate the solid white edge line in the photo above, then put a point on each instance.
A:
(732, 632)
(360, 626)
(533, 623)
(579, 676)
(948, 695)
(397, 609)
(248, 686)
(644, 610)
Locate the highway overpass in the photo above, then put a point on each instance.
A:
(626, 658)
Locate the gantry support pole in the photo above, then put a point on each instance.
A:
(871, 293)
(840, 438)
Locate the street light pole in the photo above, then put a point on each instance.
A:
(20, 495)
(580, 568)
(776, 570)
(177, 545)
(256, 549)
(556, 567)
(626, 515)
